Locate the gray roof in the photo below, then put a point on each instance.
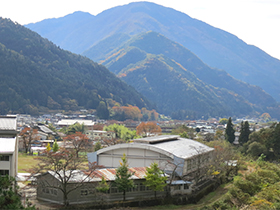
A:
(156, 139)
(183, 148)
(45, 129)
(8, 123)
(7, 145)
(179, 147)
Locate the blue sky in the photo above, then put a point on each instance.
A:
(256, 22)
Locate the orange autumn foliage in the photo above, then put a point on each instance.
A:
(148, 129)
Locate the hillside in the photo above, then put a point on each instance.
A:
(177, 80)
(217, 48)
(37, 75)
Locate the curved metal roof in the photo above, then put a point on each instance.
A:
(179, 147)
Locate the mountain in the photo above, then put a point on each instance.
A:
(177, 80)
(77, 32)
(37, 75)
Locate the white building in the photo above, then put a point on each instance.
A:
(169, 151)
(68, 122)
(9, 146)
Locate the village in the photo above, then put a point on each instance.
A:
(183, 162)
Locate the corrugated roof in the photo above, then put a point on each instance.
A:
(7, 145)
(96, 176)
(109, 174)
(8, 123)
(45, 129)
(180, 147)
(183, 148)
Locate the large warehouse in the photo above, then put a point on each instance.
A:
(169, 151)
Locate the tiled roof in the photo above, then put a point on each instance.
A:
(96, 176)
(109, 174)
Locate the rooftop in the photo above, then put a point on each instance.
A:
(8, 123)
(169, 145)
(183, 148)
(7, 145)
(66, 122)
(156, 139)
(96, 176)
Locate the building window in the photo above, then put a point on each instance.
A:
(4, 172)
(186, 186)
(142, 187)
(114, 190)
(4, 157)
(84, 192)
(136, 187)
(177, 187)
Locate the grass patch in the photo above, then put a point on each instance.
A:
(26, 162)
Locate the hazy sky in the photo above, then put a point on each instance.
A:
(256, 22)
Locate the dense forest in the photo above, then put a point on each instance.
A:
(176, 80)
(38, 76)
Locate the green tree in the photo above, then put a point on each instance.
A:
(103, 188)
(229, 133)
(223, 121)
(275, 140)
(77, 127)
(155, 178)
(97, 146)
(121, 132)
(55, 147)
(244, 133)
(9, 199)
(102, 111)
(123, 179)
(256, 149)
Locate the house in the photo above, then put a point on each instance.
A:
(170, 152)
(97, 135)
(9, 146)
(44, 132)
(67, 122)
(87, 193)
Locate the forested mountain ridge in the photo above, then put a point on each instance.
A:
(176, 79)
(215, 47)
(36, 74)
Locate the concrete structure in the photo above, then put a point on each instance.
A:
(9, 146)
(169, 151)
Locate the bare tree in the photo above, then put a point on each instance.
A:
(78, 141)
(64, 166)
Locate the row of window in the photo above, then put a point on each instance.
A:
(49, 191)
(4, 172)
(4, 157)
(178, 187)
(197, 162)
(112, 190)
